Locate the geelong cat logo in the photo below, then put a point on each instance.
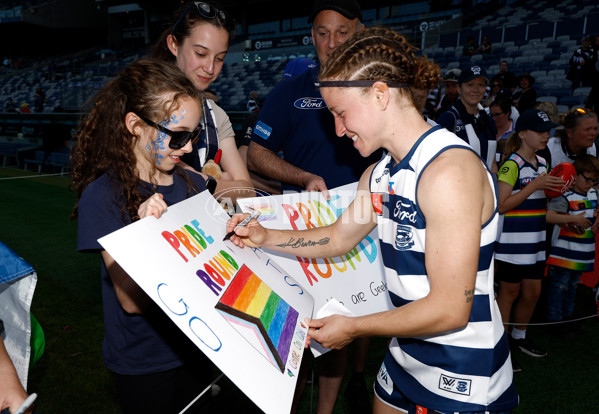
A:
(455, 385)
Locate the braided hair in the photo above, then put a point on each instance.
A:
(380, 54)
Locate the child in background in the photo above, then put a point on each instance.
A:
(572, 247)
(520, 253)
(125, 168)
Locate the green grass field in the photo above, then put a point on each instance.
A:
(71, 377)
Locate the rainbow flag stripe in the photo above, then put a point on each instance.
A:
(250, 303)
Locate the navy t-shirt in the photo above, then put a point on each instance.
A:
(296, 120)
(133, 344)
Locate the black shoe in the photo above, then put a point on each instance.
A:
(528, 347)
(356, 394)
(516, 367)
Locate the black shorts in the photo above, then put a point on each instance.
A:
(514, 273)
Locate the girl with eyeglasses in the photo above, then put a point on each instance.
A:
(433, 200)
(125, 167)
(197, 43)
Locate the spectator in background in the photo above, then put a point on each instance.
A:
(496, 87)
(451, 91)
(485, 46)
(582, 64)
(469, 48)
(38, 102)
(577, 137)
(526, 97)
(507, 78)
(25, 108)
(253, 104)
(468, 119)
(10, 105)
(501, 111)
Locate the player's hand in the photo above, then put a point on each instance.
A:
(153, 206)
(332, 331)
(252, 235)
(316, 183)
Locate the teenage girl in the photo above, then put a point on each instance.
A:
(520, 253)
(434, 202)
(126, 167)
(197, 43)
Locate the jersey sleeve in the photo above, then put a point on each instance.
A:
(508, 173)
(274, 123)
(559, 204)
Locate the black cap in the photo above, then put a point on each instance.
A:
(472, 72)
(534, 120)
(348, 8)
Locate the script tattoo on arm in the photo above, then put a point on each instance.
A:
(295, 243)
(469, 293)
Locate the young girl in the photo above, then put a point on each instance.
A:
(433, 200)
(125, 168)
(520, 252)
(197, 43)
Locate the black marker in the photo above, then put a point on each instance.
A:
(254, 214)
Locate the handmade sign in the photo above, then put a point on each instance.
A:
(237, 305)
(355, 279)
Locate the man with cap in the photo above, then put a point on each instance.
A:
(265, 186)
(296, 120)
(468, 119)
(451, 90)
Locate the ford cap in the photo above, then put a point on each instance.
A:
(348, 8)
(472, 72)
(534, 120)
(297, 66)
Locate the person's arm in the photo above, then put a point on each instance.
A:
(509, 201)
(356, 221)
(131, 297)
(554, 217)
(12, 393)
(456, 198)
(266, 162)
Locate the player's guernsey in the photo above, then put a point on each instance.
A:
(463, 370)
(571, 250)
(522, 239)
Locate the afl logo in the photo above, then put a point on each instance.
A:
(310, 103)
(403, 238)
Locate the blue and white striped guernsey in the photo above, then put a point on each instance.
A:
(522, 239)
(463, 370)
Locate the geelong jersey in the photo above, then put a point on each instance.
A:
(522, 239)
(464, 370)
(571, 250)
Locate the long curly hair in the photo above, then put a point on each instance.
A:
(378, 53)
(148, 88)
(184, 21)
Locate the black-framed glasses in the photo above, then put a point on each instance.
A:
(496, 114)
(496, 85)
(207, 11)
(589, 180)
(179, 139)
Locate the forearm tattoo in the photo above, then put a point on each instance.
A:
(301, 242)
(469, 293)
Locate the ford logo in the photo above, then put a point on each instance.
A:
(310, 103)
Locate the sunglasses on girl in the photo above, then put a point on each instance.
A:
(179, 139)
(207, 11)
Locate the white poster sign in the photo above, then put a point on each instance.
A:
(355, 279)
(237, 305)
